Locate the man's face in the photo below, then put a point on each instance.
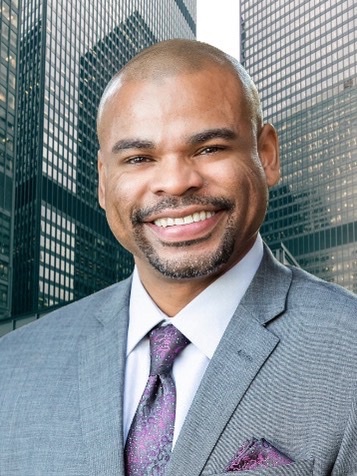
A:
(180, 173)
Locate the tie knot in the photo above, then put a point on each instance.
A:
(166, 342)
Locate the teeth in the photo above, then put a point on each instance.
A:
(197, 216)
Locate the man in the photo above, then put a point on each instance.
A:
(270, 359)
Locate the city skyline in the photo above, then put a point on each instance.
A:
(63, 248)
(8, 83)
(304, 63)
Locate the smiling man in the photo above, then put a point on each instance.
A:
(184, 182)
(213, 357)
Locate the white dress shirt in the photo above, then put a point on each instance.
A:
(203, 321)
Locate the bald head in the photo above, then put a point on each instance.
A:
(179, 56)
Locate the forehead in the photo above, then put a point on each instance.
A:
(208, 95)
(207, 78)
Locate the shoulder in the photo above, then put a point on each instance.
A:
(298, 297)
(297, 305)
(319, 322)
(66, 324)
(300, 291)
(318, 296)
(43, 358)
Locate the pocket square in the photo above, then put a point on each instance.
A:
(255, 454)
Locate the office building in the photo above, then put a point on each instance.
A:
(63, 248)
(303, 58)
(8, 79)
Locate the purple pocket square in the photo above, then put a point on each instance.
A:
(255, 454)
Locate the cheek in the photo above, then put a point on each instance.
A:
(242, 180)
(123, 194)
(116, 199)
(248, 187)
(118, 189)
(258, 190)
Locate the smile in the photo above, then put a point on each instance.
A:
(194, 218)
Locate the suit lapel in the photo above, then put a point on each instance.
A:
(243, 350)
(101, 380)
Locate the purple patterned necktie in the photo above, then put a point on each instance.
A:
(149, 443)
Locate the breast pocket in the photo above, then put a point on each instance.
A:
(301, 468)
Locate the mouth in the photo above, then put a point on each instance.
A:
(172, 211)
(196, 217)
(183, 222)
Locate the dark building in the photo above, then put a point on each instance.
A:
(8, 82)
(63, 248)
(303, 59)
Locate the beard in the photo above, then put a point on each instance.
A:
(194, 265)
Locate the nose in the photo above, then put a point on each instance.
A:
(176, 176)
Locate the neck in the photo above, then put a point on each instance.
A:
(173, 295)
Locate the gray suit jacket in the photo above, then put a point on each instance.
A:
(285, 370)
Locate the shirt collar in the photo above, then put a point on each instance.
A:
(203, 320)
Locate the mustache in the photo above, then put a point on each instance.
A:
(171, 203)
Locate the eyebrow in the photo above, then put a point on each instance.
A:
(199, 138)
(125, 144)
(209, 134)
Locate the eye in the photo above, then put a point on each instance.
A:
(212, 149)
(137, 160)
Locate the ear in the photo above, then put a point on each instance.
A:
(268, 149)
(101, 180)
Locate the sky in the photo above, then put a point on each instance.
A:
(218, 23)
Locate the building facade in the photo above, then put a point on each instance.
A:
(8, 82)
(303, 58)
(63, 248)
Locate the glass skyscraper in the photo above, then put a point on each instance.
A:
(63, 248)
(303, 58)
(8, 82)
